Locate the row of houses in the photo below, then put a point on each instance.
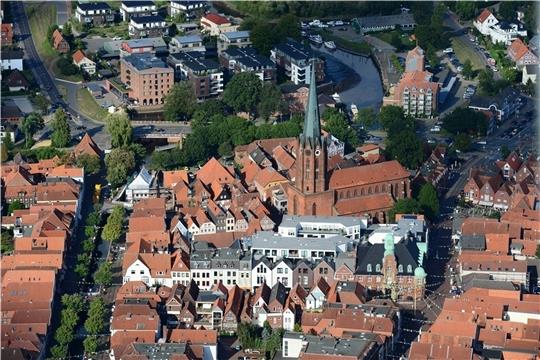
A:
(51, 196)
(512, 184)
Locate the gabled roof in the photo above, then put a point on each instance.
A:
(16, 78)
(87, 146)
(368, 174)
(484, 15)
(213, 170)
(267, 176)
(79, 56)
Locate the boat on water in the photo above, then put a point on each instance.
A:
(317, 39)
(336, 97)
(354, 109)
(330, 45)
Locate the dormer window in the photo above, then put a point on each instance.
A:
(369, 269)
(378, 268)
(409, 268)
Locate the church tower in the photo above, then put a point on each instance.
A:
(311, 176)
(309, 194)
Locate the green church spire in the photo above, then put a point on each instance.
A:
(312, 122)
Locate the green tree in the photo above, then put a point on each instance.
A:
(59, 351)
(97, 317)
(429, 201)
(205, 111)
(90, 344)
(509, 74)
(15, 205)
(297, 328)
(507, 10)
(41, 102)
(366, 117)
(538, 251)
(467, 71)
(403, 206)
(61, 132)
(395, 41)
(264, 36)
(270, 101)
(74, 302)
(225, 149)
(465, 120)
(90, 163)
(406, 148)
(243, 92)
(93, 218)
(119, 128)
(4, 155)
(89, 232)
(66, 29)
(180, 102)
(466, 9)
(336, 124)
(103, 275)
(30, 125)
(120, 163)
(392, 118)
(288, 26)
(113, 229)
(83, 265)
(462, 142)
(88, 246)
(485, 81)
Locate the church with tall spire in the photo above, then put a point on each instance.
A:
(368, 190)
(308, 194)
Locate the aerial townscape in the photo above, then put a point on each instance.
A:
(251, 180)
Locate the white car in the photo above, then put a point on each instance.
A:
(448, 50)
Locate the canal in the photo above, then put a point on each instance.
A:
(356, 76)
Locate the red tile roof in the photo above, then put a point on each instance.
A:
(484, 15)
(216, 19)
(364, 204)
(368, 174)
(78, 56)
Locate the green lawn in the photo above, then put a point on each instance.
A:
(120, 29)
(40, 17)
(386, 36)
(464, 52)
(89, 107)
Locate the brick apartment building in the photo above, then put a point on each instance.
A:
(416, 92)
(148, 78)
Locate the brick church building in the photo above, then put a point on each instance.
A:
(360, 190)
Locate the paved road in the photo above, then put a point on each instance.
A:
(63, 11)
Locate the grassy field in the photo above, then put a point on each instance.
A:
(387, 37)
(89, 107)
(464, 52)
(40, 17)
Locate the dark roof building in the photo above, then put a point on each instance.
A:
(247, 59)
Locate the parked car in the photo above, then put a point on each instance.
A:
(448, 50)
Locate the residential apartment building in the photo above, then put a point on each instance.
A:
(185, 7)
(295, 60)
(210, 266)
(205, 74)
(148, 78)
(214, 24)
(186, 43)
(416, 91)
(130, 9)
(322, 226)
(94, 13)
(246, 59)
(238, 39)
(148, 26)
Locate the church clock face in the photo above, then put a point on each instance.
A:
(317, 152)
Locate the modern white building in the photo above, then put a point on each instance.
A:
(12, 59)
(147, 26)
(310, 226)
(186, 43)
(131, 9)
(141, 187)
(185, 7)
(275, 246)
(498, 31)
